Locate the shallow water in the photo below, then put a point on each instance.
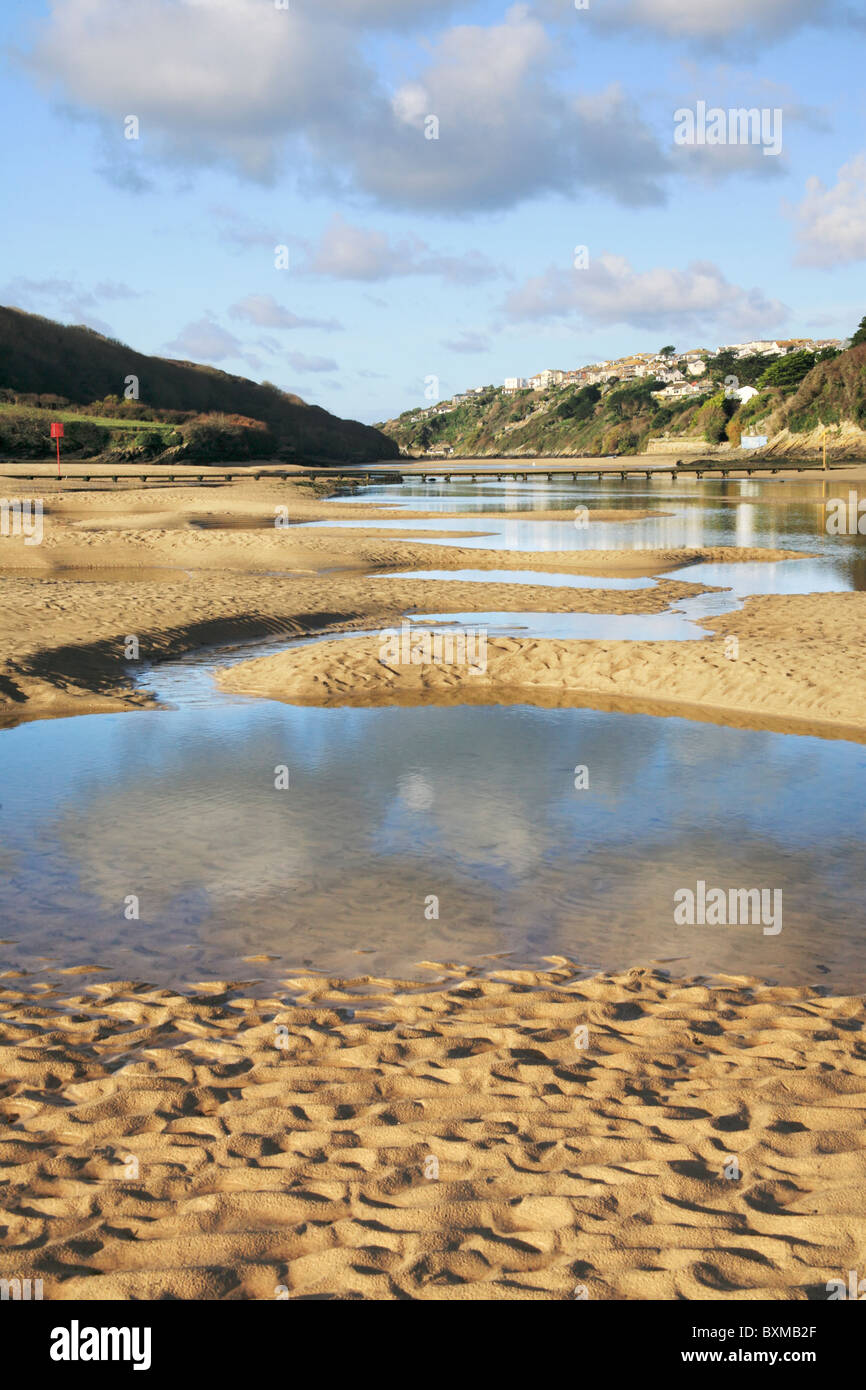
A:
(543, 577)
(476, 806)
(674, 626)
(789, 516)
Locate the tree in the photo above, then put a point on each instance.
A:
(746, 370)
(669, 351)
(860, 336)
(580, 405)
(787, 372)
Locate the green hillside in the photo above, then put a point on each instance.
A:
(797, 394)
(47, 365)
(580, 420)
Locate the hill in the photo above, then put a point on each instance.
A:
(571, 421)
(57, 365)
(798, 396)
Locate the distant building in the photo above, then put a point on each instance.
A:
(544, 380)
(760, 347)
(514, 383)
(680, 390)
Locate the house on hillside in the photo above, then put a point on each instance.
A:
(542, 381)
(680, 390)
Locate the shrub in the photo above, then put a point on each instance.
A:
(734, 432)
(580, 405)
(217, 437)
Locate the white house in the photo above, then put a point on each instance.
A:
(514, 383)
(762, 347)
(679, 390)
(544, 380)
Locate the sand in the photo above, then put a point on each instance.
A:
(182, 567)
(446, 1137)
(792, 663)
(433, 1142)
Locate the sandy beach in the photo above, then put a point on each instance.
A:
(432, 690)
(454, 1135)
(386, 1139)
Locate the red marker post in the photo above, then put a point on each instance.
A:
(57, 433)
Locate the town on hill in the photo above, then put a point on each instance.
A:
(765, 393)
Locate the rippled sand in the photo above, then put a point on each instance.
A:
(385, 1139)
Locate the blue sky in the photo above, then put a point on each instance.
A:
(413, 258)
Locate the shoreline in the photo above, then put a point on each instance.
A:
(449, 1135)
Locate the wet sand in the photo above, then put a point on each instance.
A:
(212, 566)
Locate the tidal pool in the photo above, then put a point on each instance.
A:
(176, 811)
(160, 844)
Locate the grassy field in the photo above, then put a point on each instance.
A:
(72, 417)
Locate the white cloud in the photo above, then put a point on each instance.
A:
(348, 252)
(264, 311)
(611, 291)
(469, 341)
(209, 80)
(710, 23)
(831, 222)
(507, 131)
(301, 363)
(241, 84)
(59, 298)
(205, 341)
(390, 13)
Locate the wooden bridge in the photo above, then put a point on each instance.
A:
(237, 475)
(747, 466)
(366, 477)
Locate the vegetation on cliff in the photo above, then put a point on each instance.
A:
(796, 394)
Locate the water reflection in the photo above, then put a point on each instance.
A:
(771, 515)
(476, 806)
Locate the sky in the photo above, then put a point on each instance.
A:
(377, 203)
